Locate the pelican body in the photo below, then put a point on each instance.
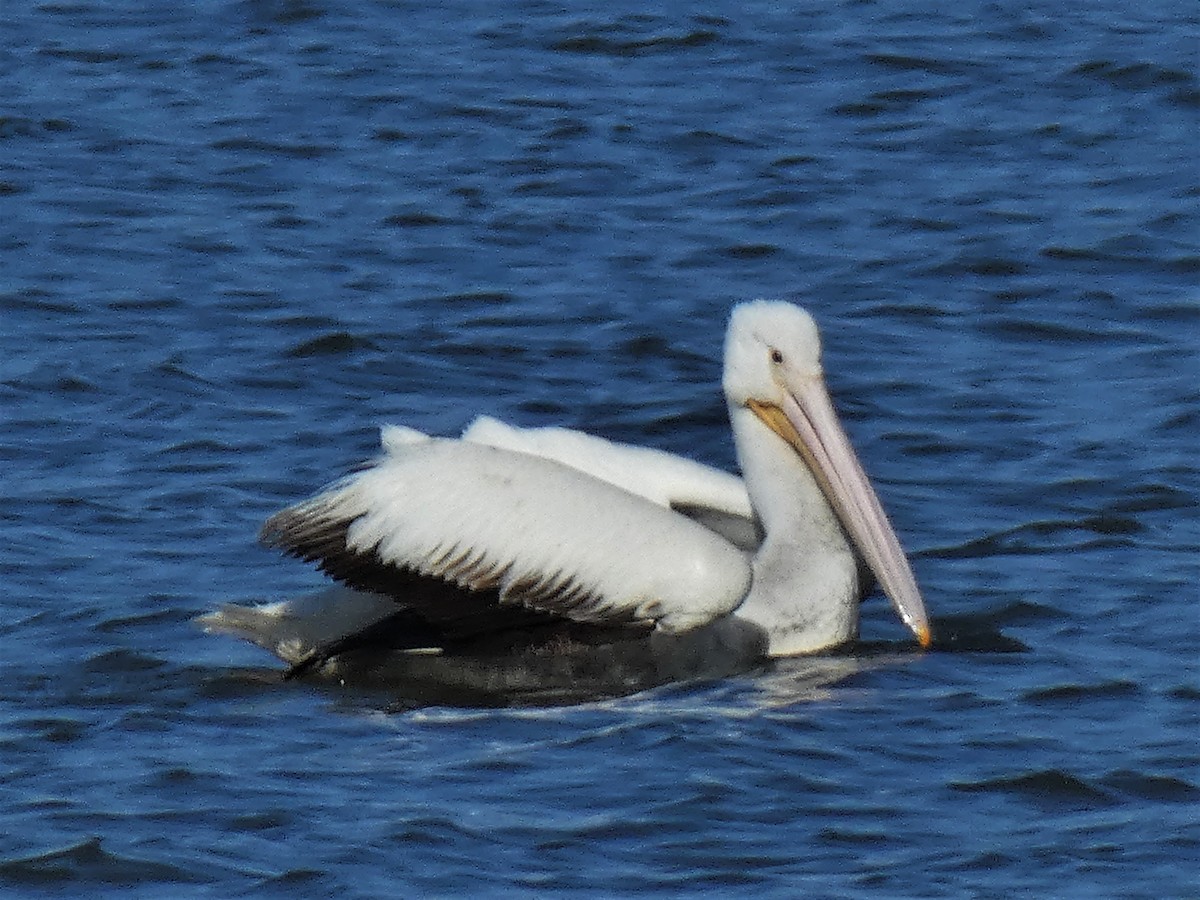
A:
(457, 556)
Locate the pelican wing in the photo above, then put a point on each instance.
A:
(715, 499)
(435, 517)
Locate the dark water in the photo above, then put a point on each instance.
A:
(236, 236)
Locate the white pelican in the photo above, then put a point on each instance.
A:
(530, 543)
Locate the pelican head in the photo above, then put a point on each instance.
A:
(773, 369)
(767, 343)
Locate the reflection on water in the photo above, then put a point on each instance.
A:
(396, 683)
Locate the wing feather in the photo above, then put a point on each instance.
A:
(527, 531)
(716, 499)
(665, 478)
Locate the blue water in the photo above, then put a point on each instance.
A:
(237, 236)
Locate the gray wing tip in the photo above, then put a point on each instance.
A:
(308, 531)
(282, 530)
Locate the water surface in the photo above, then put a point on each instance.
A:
(237, 236)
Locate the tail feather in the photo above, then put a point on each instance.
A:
(293, 629)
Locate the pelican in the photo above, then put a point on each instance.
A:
(518, 544)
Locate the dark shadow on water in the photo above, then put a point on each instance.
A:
(396, 682)
(974, 633)
(388, 681)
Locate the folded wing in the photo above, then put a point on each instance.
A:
(490, 538)
(715, 499)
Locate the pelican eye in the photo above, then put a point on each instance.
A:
(776, 356)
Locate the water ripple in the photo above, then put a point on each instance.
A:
(234, 243)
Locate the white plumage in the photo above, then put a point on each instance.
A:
(532, 529)
(508, 538)
(666, 479)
